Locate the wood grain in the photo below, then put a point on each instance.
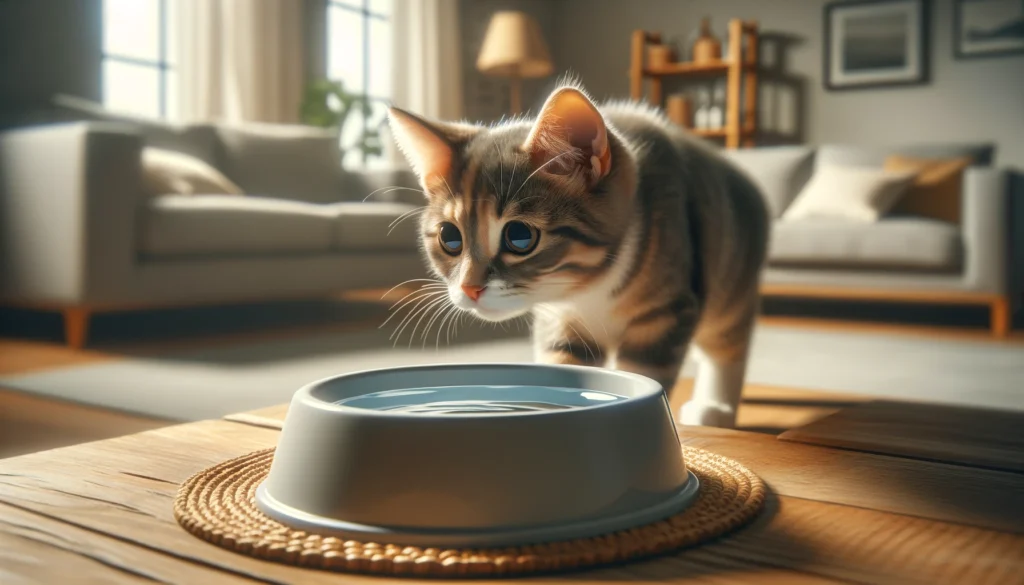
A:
(927, 489)
(939, 491)
(636, 77)
(122, 489)
(968, 436)
(41, 549)
(734, 84)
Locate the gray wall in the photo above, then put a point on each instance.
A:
(487, 98)
(48, 47)
(967, 100)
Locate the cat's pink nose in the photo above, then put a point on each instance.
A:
(473, 292)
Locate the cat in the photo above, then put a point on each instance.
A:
(626, 238)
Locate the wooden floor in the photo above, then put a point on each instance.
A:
(29, 423)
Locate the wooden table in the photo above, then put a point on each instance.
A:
(101, 513)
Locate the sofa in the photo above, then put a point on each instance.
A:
(79, 234)
(932, 255)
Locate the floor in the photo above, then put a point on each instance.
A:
(29, 424)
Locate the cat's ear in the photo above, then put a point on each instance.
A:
(430, 147)
(570, 137)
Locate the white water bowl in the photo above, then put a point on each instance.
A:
(477, 455)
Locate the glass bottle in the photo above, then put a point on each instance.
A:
(702, 115)
(716, 113)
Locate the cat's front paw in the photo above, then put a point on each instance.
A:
(707, 414)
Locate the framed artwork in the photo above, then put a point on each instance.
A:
(875, 43)
(986, 28)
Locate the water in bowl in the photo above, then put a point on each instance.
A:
(456, 400)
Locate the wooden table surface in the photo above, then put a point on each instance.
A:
(970, 436)
(101, 513)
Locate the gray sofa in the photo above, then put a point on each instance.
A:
(902, 258)
(78, 234)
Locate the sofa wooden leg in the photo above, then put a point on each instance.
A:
(1000, 315)
(76, 326)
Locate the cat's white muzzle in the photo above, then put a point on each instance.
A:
(492, 305)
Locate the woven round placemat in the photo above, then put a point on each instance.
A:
(219, 506)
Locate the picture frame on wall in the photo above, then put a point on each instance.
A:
(988, 28)
(875, 43)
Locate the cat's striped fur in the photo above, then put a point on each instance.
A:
(648, 239)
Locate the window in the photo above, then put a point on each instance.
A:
(138, 68)
(359, 56)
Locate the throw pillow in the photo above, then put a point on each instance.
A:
(849, 192)
(167, 172)
(777, 171)
(936, 191)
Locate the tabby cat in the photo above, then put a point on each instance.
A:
(625, 237)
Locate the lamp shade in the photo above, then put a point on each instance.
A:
(514, 47)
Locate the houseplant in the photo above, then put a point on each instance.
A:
(327, 104)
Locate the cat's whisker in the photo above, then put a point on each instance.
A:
(449, 316)
(447, 186)
(391, 188)
(540, 168)
(426, 288)
(390, 290)
(501, 163)
(418, 300)
(395, 311)
(404, 217)
(398, 219)
(432, 306)
(437, 314)
(491, 181)
(425, 299)
(397, 334)
(458, 321)
(511, 180)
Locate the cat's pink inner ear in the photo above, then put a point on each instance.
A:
(426, 149)
(570, 136)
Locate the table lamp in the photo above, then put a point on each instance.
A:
(514, 47)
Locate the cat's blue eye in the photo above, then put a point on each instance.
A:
(520, 238)
(450, 239)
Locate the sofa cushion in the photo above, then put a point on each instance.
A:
(936, 191)
(198, 140)
(891, 243)
(848, 154)
(283, 161)
(850, 193)
(213, 225)
(370, 226)
(167, 172)
(778, 171)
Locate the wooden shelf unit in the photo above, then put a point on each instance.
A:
(739, 67)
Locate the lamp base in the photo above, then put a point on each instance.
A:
(516, 94)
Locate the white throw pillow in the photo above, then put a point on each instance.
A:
(165, 172)
(849, 192)
(777, 171)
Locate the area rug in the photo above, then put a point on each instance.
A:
(209, 382)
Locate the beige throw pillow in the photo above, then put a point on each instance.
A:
(167, 172)
(849, 192)
(935, 192)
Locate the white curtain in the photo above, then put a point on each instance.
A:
(427, 61)
(240, 60)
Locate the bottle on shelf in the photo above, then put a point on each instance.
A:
(702, 115)
(716, 112)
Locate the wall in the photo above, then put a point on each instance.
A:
(487, 98)
(48, 47)
(967, 100)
